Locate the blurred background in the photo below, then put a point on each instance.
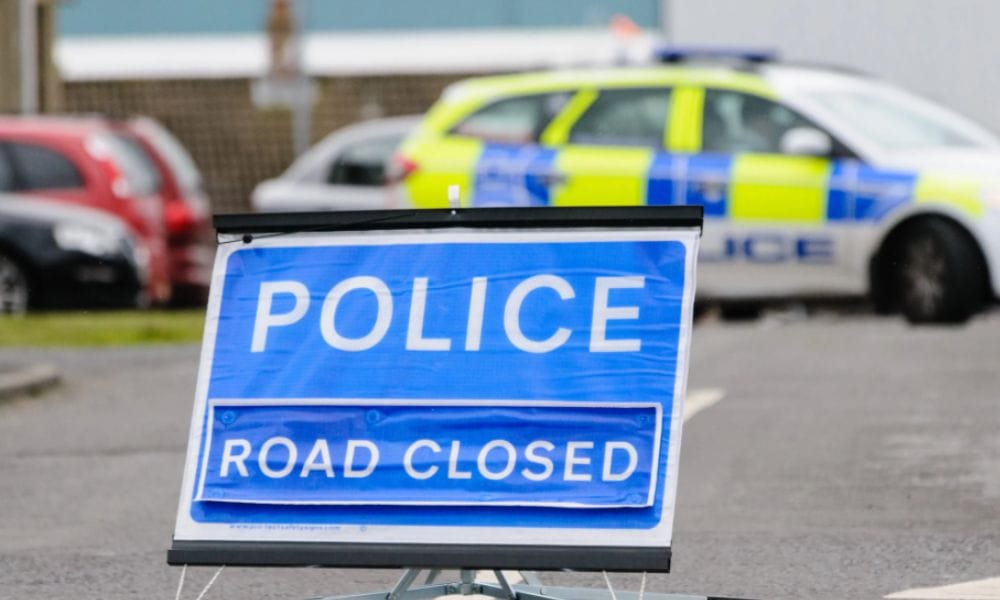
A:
(195, 107)
(191, 64)
(836, 453)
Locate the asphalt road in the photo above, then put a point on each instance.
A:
(849, 457)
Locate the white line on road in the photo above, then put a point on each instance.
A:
(700, 399)
(981, 589)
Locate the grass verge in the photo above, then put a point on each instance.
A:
(102, 328)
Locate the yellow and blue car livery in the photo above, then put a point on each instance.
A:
(814, 181)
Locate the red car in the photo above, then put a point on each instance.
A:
(187, 217)
(86, 161)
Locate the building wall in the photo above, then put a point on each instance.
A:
(947, 50)
(131, 17)
(10, 56)
(235, 144)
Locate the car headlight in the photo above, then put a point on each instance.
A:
(89, 240)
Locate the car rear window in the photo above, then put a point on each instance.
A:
(175, 155)
(363, 163)
(140, 170)
(517, 120)
(41, 168)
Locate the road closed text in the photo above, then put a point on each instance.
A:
(569, 455)
(279, 457)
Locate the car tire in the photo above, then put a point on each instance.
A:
(740, 311)
(15, 291)
(938, 273)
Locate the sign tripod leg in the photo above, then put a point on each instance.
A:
(404, 583)
(432, 575)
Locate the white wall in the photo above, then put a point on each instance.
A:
(948, 50)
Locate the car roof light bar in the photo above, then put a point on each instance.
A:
(677, 54)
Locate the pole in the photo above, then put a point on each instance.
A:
(29, 56)
(302, 104)
(302, 117)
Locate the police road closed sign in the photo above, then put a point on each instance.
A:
(408, 396)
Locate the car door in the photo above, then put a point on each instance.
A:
(766, 230)
(610, 146)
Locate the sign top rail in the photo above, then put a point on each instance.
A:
(527, 217)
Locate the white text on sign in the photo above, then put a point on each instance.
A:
(601, 312)
(278, 457)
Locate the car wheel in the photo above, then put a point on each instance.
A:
(939, 275)
(14, 289)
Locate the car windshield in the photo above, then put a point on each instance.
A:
(895, 120)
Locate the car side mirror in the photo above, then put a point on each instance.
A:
(806, 141)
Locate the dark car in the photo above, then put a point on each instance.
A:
(56, 255)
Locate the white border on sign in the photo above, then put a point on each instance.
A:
(287, 402)
(660, 535)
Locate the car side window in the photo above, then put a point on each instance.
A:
(518, 120)
(363, 163)
(626, 117)
(737, 122)
(40, 168)
(6, 172)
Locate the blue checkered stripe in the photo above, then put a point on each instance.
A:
(855, 192)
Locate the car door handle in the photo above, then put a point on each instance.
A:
(710, 188)
(552, 179)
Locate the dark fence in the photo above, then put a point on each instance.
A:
(235, 144)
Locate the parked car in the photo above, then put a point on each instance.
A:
(186, 210)
(344, 171)
(56, 255)
(84, 161)
(814, 181)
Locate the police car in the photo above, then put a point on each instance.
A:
(814, 181)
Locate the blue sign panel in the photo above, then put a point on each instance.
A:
(416, 386)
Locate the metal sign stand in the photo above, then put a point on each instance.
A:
(531, 589)
(434, 557)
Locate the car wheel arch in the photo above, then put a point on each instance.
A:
(879, 267)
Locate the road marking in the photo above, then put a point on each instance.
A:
(696, 401)
(981, 589)
(700, 399)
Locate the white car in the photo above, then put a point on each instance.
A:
(344, 171)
